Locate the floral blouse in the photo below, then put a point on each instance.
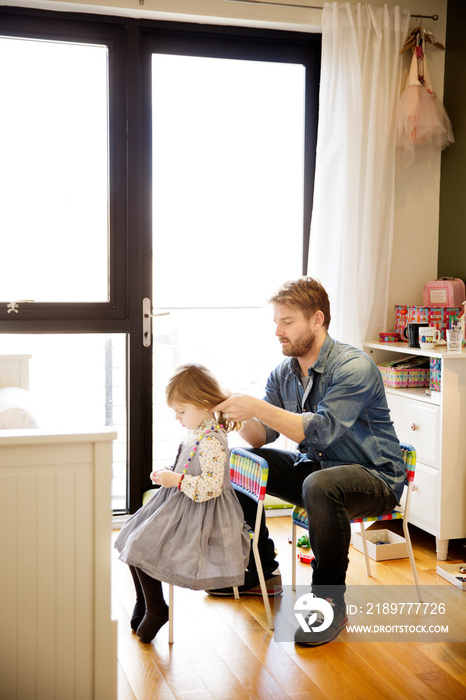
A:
(208, 484)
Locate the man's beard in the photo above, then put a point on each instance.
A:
(300, 347)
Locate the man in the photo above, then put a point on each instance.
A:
(329, 398)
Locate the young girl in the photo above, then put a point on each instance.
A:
(191, 533)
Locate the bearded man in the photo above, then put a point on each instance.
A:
(329, 399)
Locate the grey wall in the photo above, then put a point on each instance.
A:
(452, 224)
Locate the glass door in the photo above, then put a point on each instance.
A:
(228, 157)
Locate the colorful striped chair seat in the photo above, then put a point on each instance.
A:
(249, 474)
(299, 519)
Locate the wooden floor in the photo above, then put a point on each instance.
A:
(224, 650)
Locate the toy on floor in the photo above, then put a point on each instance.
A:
(305, 558)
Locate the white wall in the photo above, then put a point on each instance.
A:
(415, 249)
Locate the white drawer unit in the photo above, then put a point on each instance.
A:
(418, 423)
(436, 427)
(424, 507)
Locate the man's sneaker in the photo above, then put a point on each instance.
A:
(252, 586)
(315, 638)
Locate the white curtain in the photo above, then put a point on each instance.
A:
(352, 219)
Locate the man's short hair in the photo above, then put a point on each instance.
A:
(306, 294)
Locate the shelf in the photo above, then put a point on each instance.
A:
(416, 392)
(404, 348)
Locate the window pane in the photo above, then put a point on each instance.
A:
(54, 171)
(228, 159)
(237, 345)
(78, 382)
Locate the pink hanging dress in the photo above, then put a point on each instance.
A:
(422, 118)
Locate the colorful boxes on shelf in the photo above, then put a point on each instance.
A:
(446, 291)
(405, 372)
(389, 337)
(435, 374)
(438, 317)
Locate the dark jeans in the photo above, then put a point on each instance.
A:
(331, 497)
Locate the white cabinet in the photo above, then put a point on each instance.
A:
(58, 640)
(436, 427)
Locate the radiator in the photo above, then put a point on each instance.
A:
(57, 639)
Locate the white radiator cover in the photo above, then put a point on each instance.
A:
(57, 639)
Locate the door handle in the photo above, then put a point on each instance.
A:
(146, 321)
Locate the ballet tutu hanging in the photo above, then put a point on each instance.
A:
(422, 119)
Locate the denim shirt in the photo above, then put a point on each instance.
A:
(345, 414)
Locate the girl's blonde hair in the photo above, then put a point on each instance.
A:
(196, 385)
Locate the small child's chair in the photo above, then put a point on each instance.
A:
(249, 474)
(299, 519)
